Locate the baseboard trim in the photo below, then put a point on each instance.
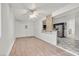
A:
(10, 48)
(25, 37)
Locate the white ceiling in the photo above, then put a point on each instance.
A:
(48, 8)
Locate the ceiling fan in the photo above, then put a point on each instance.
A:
(33, 11)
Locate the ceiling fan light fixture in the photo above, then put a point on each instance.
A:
(32, 16)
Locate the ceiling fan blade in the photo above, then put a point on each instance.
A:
(41, 12)
(27, 13)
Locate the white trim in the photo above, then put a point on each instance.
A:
(25, 37)
(8, 53)
(65, 9)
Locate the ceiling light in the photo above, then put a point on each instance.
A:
(32, 16)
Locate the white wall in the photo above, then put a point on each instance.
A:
(77, 26)
(71, 25)
(0, 21)
(8, 30)
(21, 31)
(50, 37)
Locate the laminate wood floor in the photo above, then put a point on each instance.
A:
(35, 47)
